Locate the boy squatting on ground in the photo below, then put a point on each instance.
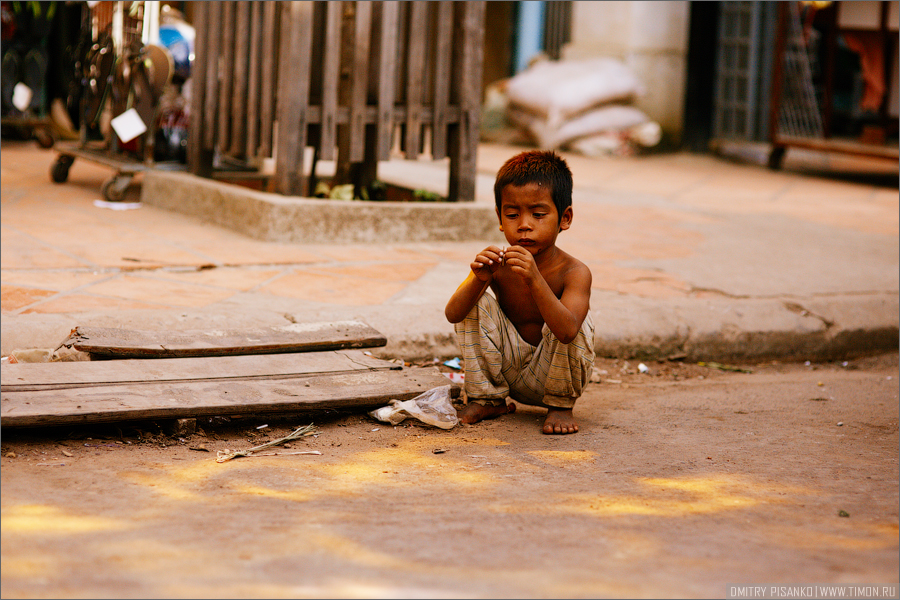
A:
(533, 340)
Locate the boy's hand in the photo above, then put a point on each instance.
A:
(487, 262)
(521, 262)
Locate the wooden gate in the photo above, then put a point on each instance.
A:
(271, 79)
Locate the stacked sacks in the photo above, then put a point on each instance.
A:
(582, 105)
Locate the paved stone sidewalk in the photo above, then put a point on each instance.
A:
(692, 255)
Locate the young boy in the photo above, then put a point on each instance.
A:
(533, 340)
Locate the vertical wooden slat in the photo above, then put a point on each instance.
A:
(214, 39)
(418, 30)
(253, 81)
(442, 61)
(226, 76)
(294, 68)
(201, 48)
(387, 69)
(330, 79)
(360, 77)
(239, 113)
(464, 139)
(269, 76)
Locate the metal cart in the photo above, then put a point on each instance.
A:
(125, 72)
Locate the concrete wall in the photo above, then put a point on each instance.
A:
(651, 37)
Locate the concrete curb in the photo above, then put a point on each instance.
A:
(817, 329)
(276, 218)
(747, 329)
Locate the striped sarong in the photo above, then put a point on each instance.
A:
(499, 363)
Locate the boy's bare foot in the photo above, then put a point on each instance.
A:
(473, 412)
(559, 422)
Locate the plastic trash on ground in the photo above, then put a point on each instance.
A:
(432, 408)
(458, 378)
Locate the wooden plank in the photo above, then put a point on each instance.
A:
(253, 81)
(213, 39)
(360, 77)
(239, 114)
(226, 77)
(418, 31)
(23, 377)
(387, 61)
(296, 337)
(269, 83)
(839, 145)
(354, 390)
(442, 61)
(331, 71)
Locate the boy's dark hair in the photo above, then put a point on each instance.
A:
(545, 167)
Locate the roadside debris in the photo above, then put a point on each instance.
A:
(458, 378)
(721, 367)
(432, 408)
(225, 455)
(117, 205)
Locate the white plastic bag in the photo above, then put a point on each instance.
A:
(433, 408)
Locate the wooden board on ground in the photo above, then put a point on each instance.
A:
(363, 390)
(295, 337)
(23, 377)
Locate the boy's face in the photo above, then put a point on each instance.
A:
(528, 217)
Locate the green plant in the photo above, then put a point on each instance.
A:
(426, 196)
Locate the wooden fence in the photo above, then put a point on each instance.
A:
(271, 79)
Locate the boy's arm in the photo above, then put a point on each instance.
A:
(478, 280)
(563, 315)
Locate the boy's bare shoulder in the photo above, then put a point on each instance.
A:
(571, 272)
(571, 265)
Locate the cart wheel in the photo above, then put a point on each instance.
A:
(114, 188)
(44, 137)
(60, 170)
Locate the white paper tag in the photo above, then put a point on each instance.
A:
(128, 125)
(21, 96)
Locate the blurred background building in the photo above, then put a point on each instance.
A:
(815, 74)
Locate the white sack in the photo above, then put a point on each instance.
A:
(610, 118)
(558, 90)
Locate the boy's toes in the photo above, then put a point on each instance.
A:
(559, 423)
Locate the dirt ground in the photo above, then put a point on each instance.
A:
(682, 480)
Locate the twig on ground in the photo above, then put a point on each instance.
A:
(721, 367)
(224, 455)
